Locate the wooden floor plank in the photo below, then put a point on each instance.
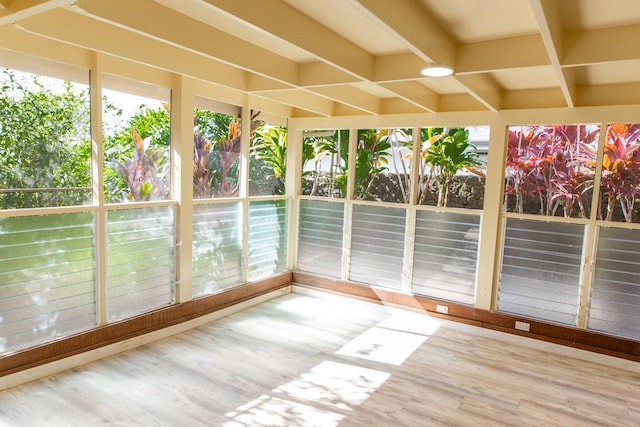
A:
(301, 360)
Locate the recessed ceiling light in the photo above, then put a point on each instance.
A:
(437, 70)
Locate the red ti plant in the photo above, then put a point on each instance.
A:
(545, 163)
(621, 169)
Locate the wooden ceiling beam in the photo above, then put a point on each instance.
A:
(12, 11)
(549, 21)
(190, 34)
(277, 19)
(408, 21)
(350, 96)
(601, 45)
(501, 54)
(89, 33)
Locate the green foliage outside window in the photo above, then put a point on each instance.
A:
(45, 145)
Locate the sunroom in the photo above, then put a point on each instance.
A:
(163, 160)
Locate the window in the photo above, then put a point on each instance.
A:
(217, 143)
(377, 245)
(267, 238)
(549, 170)
(383, 165)
(452, 167)
(620, 183)
(445, 255)
(141, 264)
(217, 247)
(324, 163)
(320, 237)
(136, 123)
(45, 142)
(267, 160)
(47, 278)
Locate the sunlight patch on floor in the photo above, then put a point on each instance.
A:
(383, 345)
(272, 411)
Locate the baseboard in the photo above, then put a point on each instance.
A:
(71, 362)
(583, 339)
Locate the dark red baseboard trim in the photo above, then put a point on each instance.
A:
(545, 331)
(136, 326)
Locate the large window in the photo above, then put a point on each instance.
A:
(383, 165)
(377, 245)
(550, 170)
(217, 247)
(267, 161)
(141, 263)
(452, 166)
(47, 278)
(45, 143)
(217, 143)
(445, 255)
(620, 183)
(136, 142)
(324, 163)
(320, 237)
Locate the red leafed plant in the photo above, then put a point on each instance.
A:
(620, 169)
(546, 169)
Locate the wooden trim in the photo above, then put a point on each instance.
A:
(584, 339)
(143, 324)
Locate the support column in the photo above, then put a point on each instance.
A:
(182, 110)
(490, 227)
(97, 183)
(293, 185)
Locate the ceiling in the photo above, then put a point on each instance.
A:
(362, 57)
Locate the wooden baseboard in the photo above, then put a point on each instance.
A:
(559, 334)
(137, 326)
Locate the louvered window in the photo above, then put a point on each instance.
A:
(615, 300)
(445, 255)
(140, 266)
(541, 270)
(267, 238)
(320, 235)
(47, 281)
(377, 245)
(217, 247)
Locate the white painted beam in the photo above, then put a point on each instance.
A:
(509, 53)
(93, 34)
(602, 45)
(277, 19)
(12, 11)
(415, 93)
(409, 22)
(549, 21)
(182, 31)
(350, 96)
(303, 100)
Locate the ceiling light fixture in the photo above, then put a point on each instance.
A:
(437, 70)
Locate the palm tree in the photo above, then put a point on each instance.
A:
(447, 153)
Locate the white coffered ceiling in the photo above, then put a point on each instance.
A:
(359, 57)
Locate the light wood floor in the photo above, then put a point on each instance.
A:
(301, 360)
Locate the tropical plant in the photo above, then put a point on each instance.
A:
(321, 146)
(123, 158)
(549, 165)
(620, 169)
(45, 145)
(145, 174)
(447, 152)
(401, 149)
(269, 149)
(372, 156)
